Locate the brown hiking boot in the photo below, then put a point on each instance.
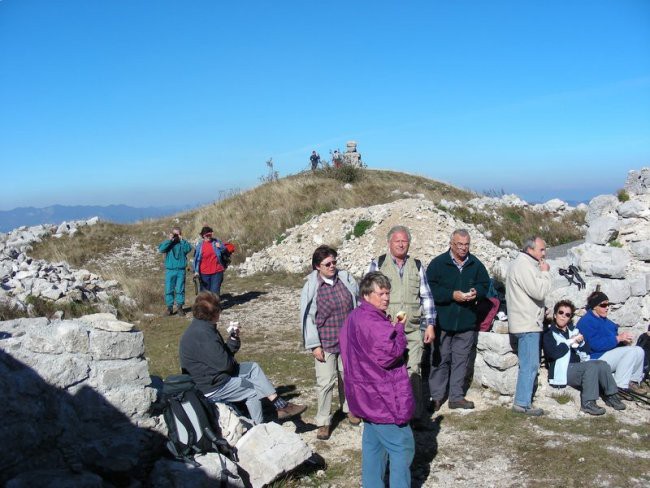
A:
(323, 433)
(180, 311)
(635, 387)
(355, 421)
(169, 312)
(291, 410)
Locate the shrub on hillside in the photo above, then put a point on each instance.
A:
(622, 195)
(344, 174)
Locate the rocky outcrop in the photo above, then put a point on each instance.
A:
(22, 277)
(430, 229)
(77, 398)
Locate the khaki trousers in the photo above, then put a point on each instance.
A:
(327, 374)
(413, 365)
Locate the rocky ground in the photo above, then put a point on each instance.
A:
(464, 448)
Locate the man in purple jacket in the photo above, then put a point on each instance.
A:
(377, 385)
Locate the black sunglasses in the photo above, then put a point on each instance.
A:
(603, 305)
(330, 264)
(565, 314)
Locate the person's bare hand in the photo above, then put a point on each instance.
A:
(319, 354)
(544, 266)
(429, 334)
(578, 338)
(459, 296)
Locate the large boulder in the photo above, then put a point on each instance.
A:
(609, 262)
(268, 451)
(638, 182)
(602, 230)
(641, 250)
(600, 206)
(633, 209)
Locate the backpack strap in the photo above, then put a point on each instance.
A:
(418, 264)
(380, 261)
(181, 415)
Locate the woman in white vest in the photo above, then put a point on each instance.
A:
(567, 354)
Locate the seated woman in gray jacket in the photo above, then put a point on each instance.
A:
(327, 297)
(568, 356)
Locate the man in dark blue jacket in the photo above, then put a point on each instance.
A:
(457, 280)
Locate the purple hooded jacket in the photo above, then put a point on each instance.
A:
(377, 385)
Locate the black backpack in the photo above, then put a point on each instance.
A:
(192, 422)
(644, 342)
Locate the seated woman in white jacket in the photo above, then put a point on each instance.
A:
(567, 354)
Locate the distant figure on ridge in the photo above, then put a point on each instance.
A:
(337, 159)
(315, 160)
(210, 361)
(175, 250)
(458, 280)
(207, 261)
(527, 283)
(410, 294)
(328, 296)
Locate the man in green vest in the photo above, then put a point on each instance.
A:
(458, 280)
(410, 294)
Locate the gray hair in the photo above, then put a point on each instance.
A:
(371, 281)
(398, 228)
(529, 242)
(459, 232)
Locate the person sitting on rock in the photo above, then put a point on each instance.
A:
(608, 344)
(568, 356)
(210, 361)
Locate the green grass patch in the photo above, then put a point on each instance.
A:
(360, 228)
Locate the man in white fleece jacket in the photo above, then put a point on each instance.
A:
(527, 284)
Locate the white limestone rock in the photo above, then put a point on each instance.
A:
(107, 322)
(600, 206)
(633, 209)
(641, 250)
(232, 426)
(503, 382)
(268, 451)
(602, 230)
(169, 473)
(115, 345)
(497, 343)
(610, 262)
(638, 182)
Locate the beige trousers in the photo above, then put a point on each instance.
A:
(327, 374)
(415, 346)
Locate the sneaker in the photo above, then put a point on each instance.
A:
(615, 402)
(169, 311)
(291, 410)
(635, 387)
(323, 433)
(533, 412)
(592, 408)
(462, 403)
(355, 421)
(180, 311)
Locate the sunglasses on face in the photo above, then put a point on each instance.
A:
(565, 314)
(329, 264)
(603, 305)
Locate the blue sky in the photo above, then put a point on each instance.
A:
(158, 102)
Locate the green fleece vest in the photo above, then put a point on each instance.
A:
(405, 290)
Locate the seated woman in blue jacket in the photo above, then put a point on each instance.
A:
(608, 344)
(569, 364)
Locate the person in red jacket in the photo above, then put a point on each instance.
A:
(207, 261)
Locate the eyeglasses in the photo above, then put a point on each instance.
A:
(329, 264)
(603, 305)
(461, 244)
(565, 314)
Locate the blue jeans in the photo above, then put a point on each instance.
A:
(211, 282)
(174, 283)
(528, 353)
(382, 442)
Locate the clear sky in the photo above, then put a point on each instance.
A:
(160, 102)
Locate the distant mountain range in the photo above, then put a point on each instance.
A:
(10, 219)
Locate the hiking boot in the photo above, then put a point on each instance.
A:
(533, 412)
(462, 403)
(635, 387)
(592, 408)
(169, 312)
(434, 406)
(354, 421)
(291, 410)
(180, 311)
(323, 433)
(615, 402)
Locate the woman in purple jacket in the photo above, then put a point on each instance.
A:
(377, 385)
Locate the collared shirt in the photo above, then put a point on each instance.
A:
(426, 297)
(334, 303)
(460, 266)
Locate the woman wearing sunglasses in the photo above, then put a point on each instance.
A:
(327, 297)
(610, 345)
(568, 357)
